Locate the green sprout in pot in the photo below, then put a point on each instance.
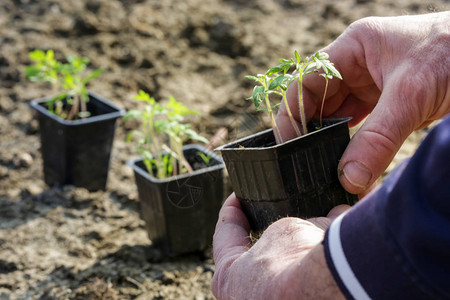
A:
(67, 82)
(162, 134)
(276, 81)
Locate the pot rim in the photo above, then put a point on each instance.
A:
(119, 112)
(221, 165)
(227, 147)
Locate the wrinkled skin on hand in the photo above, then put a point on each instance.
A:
(396, 69)
(285, 263)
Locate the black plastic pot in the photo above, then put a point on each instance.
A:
(78, 152)
(297, 178)
(181, 212)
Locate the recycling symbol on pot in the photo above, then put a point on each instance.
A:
(182, 194)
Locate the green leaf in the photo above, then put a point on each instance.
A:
(254, 78)
(297, 56)
(84, 114)
(258, 95)
(276, 82)
(132, 134)
(77, 64)
(321, 55)
(148, 164)
(333, 71)
(38, 55)
(132, 114)
(93, 75)
(177, 109)
(287, 65)
(286, 61)
(310, 66)
(319, 64)
(326, 76)
(195, 136)
(206, 158)
(274, 70)
(288, 77)
(33, 72)
(284, 87)
(69, 82)
(145, 97)
(50, 55)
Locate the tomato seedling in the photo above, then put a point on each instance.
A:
(67, 81)
(277, 80)
(161, 136)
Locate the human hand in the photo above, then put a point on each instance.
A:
(287, 262)
(396, 69)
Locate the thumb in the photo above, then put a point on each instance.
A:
(375, 144)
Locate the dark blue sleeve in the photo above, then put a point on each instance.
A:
(395, 244)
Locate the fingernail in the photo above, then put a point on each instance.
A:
(357, 174)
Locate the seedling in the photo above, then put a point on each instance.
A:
(206, 158)
(277, 80)
(162, 134)
(66, 80)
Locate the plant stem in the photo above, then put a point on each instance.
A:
(83, 106)
(155, 147)
(294, 123)
(186, 164)
(51, 107)
(275, 128)
(164, 167)
(182, 159)
(272, 118)
(323, 100)
(301, 106)
(178, 155)
(75, 109)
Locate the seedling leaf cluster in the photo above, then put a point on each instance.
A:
(67, 80)
(277, 80)
(161, 136)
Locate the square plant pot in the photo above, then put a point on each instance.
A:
(181, 212)
(297, 178)
(77, 152)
